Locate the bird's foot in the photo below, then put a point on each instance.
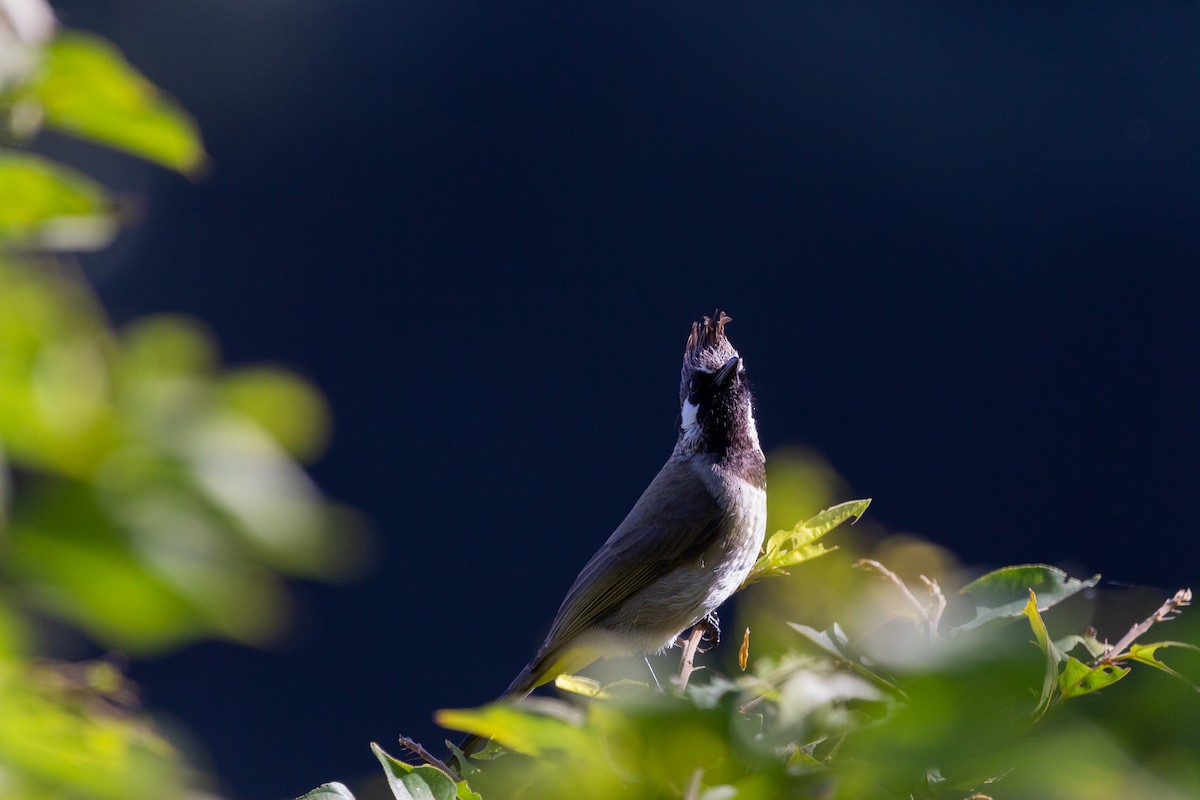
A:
(712, 632)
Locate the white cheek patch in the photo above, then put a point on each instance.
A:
(752, 428)
(688, 414)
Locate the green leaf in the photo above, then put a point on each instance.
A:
(47, 206)
(72, 559)
(328, 791)
(1003, 594)
(581, 685)
(141, 567)
(1094, 647)
(287, 407)
(414, 783)
(166, 347)
(520, 729)
(465, 792)
(1050, 673)
(835, 643)
(465, 768)
(1146, 654)
(59, 738)
(88, 89)
(787, 548)
(55, 410)
(1078, 678)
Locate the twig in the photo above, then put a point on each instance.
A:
(429, 758)
(931, 619)
(686, 664)
(939, 605)
(750, 704)
(1164, 613)
(872, 564)
(693, 788)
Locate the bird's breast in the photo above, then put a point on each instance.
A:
(735, 553)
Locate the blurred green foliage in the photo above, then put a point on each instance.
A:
(148, 496)
(59, 207)
(994, 687)
(85, 87)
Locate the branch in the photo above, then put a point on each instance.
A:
(686, 664)
(429, 758)
(1164, 613)
(939, 605)
(931, 619)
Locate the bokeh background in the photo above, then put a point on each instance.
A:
(959, 243)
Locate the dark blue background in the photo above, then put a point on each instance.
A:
(959, 242)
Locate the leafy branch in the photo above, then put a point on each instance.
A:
(785, 549)
(149, 497)
(941, 709)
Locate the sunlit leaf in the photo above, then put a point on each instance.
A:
(166, 346)
(464, 792)
(835, 643)
(414, 783)
(1147, 654)
(59, 738)
(69, 556)
(1091, 645)
(273, 504)
(288, 408)
(580, 684)
(88, 89)
(1078, 678)
(1050, 671)
(788, 548)
(517, 728)
(55, 403)
(142, 572)
(46, 206)
(328, 791)
(1004, 593)
(800, 758)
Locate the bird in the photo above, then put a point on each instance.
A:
(688, 542)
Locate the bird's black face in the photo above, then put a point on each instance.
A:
(715, 411)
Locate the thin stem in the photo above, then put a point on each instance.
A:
(1164, 613)
(687, 661)
(429, 758)
(931, 620)
(939, 605)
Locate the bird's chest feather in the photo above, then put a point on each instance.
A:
(732, 556)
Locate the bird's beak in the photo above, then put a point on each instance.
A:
(726, 372)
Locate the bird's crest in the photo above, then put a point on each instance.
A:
(707, 348)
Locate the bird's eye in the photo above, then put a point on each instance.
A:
(693, 386)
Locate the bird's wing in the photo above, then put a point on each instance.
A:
(675, 519)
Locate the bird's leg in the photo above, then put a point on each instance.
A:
(711, 625)
(652, 675)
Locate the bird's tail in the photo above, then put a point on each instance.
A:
(521, 686)
(544, 668)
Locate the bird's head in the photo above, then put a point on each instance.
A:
(715, 407)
